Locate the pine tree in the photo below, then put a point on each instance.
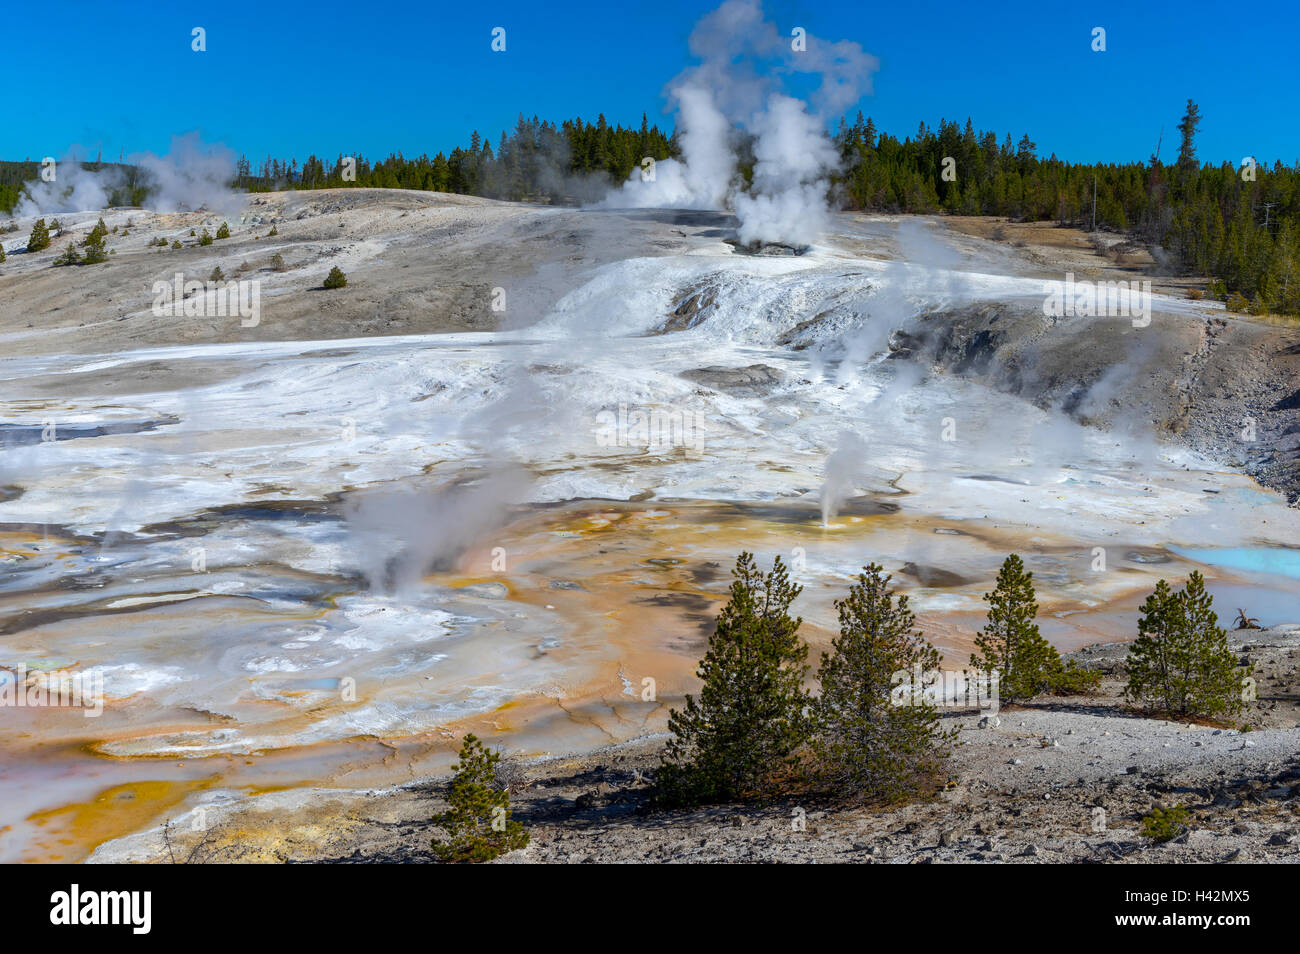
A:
(217, 275)
(224, 231)
(1181, 663)
(875, 738)
(740, 736)
(335, 279)
(97, 234)
(95, 253)
(40, 237)
(205, 238)
(1283, 276)
(1010, 642)
(1152, 658)
(478, 824)
(1025, 150)
(1187, 127)
(2, 254)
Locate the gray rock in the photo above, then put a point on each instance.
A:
(767, 248)
(754, 380)
(692, 309)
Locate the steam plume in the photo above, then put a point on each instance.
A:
(190, 176)
(737, 90)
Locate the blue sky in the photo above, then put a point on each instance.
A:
(339, 77)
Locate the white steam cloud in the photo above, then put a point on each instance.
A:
(843, 467)
(738, 87)
(792, 157)
(399, 534)
(190, 176)
(74, 190)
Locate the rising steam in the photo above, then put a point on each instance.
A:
(737, 91)
(399, 534)
(843, 467)
(190, 176)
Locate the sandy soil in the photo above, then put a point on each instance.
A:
(417, 262)
(1108, 256)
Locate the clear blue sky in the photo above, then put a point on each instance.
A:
(338, 77)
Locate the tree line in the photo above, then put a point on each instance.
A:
(1238, 225)
(537, 161)
(128, 188)
(13, 177)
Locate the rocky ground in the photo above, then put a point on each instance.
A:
(1062, 780)
(1226, 386)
